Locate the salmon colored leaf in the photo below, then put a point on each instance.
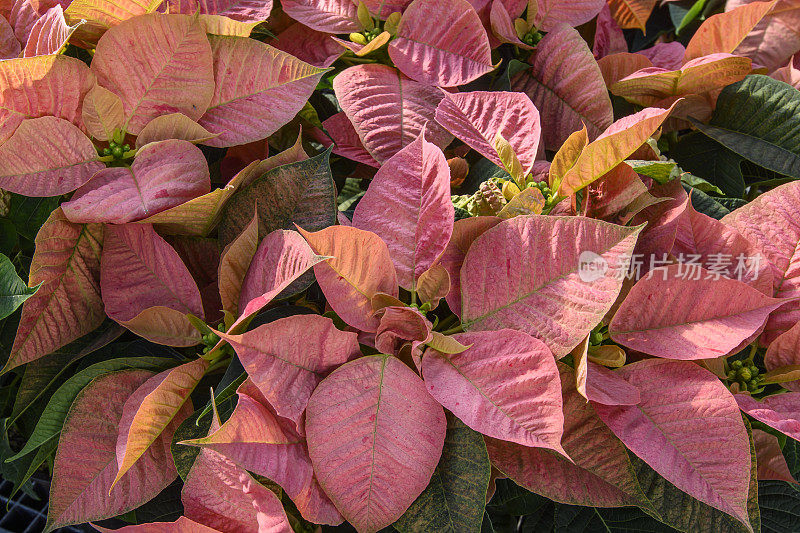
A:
(234, 262)
(606, 387)
(631, 14)
(163, 175)
(768, 222)
(783, 354)
(441, 42)
(49, 34)
(100, 15)
(51, 165)
(173, 126)
(771, 462)
(415, 185)
(601, 475)
(387, 110)
(375, 437)
(531, 283)
(686, 415)
(566, 86)
(102, 113)
(174, 73)
(67, 305)
(345, 139)
(774, 40)
(42, 86)
(329, 16)
(611, 148)
(86, 460)
(298, 193)
(465, 231)
(259, 441)
(553, 13)
(433, 285)
(10, 47)
(281, 258)
(245, 109)
(360, 267)
(220, 493)
(477, 117)
(723, 32)
(156, 408)
(781, 411)
(505, 386)
(288, 372)
(399, 326)
(241, 10)
(139, 270)
(680, 315)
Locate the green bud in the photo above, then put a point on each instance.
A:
(744, 374)
(127, 147)
(754, 371)
(117, 152)
(595, 338)
(106, 151)
(112, 144)
(732, 375)
(752, 386)
(736, 365)
(221, 326)
(206, 349)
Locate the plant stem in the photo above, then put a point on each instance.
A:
(458, 329)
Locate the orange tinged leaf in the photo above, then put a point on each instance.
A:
(152, 408)
(68, 304)
(173, 126)
(233, 265)
(567, 156)
(101, 15)
(615, 145)
(359, 268)
(102, 113)
(723, 32)
(617, 66)
(631, 14)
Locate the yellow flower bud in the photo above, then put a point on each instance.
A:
(358, 38)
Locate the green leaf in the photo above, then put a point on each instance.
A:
(192, 428)
(510, 498)
(300, 193)
(691, 15)
(44, 453)
(28, 214)
(660, 171)
(780, 506)
(708, 205)
(575, 519)
(758, 118)
(791, 452)
(53, 416)
(13, 291)
(696, 182)
(705, 157)
(455, 498)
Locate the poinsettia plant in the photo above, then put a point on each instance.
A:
(438, 265)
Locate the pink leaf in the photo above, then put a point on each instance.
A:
(172, 126)
(220, 493)
(383, 8)
(163, 175)
(287, 373)
(553, 13)
(566, 86)
(66, 263)
(780, 411)
(139, 270)
(329, 16)
(770, 224)
(245, 109)
(400, 326)
(665, 55)
(313, 47)
(374, 436)
(535, 282)
(257, 440)
(685, 417)
(233, 264)
(608, 38)
(174, 72)
(86, 460)
(774, 39)
(503, 27)
(241, 10)
(49, 34)
(10, 47)
(359, 267)
(707, 242)
(505, 386)
(154, 411)
(465, 231)
(785, 351)
(601, 475)
(680, 314)
(415, 186)
(345, 139)
(771, 461)
(280, 259)
(606, 387)
(388, 111)
(477, 117)
(441, 42)
(51, 165)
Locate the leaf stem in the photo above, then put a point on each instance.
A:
(458, 329)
